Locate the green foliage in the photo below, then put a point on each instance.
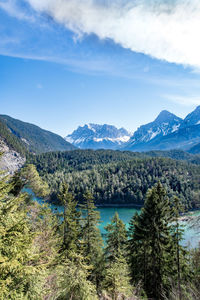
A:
(116, 239)
(195, 266)
(124, 181)
(72, 280)
(20, 275)
(91, 239)
(71, 221)
(176, 154)
(11, 140)
(151, 244)
(45, 256)
(117, 280)
(29, 177)
(27, 137)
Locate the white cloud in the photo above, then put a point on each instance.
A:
(169, 31)
(14, 10)
(184, 100)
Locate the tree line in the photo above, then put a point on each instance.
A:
(115, 177)
(48, 256)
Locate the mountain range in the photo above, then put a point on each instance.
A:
(166, 132)
(94, 136)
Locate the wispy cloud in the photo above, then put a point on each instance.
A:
(168, 31)
(13, 8)
(184, 100)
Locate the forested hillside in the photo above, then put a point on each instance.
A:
(28, 137)
(118, 177)
(45, 256)
(176, 154)
(11, 140)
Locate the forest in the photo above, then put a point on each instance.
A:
(115, 177)
(44, 255)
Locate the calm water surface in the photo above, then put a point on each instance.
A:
(191, 235)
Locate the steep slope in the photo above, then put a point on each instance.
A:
(183, 139)
(94, 136)
(10, 160)
(192, 119)
(166, 123)
(32, 138)
(13, 142)
(195, 149)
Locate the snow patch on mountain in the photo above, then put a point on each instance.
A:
(97, 136)
(164, 124)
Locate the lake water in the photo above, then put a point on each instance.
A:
(191, 235)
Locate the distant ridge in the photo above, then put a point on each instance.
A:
(95, 136)
(167, 132)
(25, 137)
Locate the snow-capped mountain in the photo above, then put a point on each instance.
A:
(94, 136)
(168, 132)
(163, 125)
(193, 118)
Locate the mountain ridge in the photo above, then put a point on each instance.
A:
(96, 136)
(28, 137)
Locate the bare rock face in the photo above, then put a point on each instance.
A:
(11, 160)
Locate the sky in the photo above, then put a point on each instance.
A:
(65, 63)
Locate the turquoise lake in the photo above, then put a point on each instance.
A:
(191, 235)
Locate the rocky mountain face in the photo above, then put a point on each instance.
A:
(167, 132)
(94, 136)
(192, 119)
(163, 125)
(10, 161)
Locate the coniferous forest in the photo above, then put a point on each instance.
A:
(44, 255)
(122, 178)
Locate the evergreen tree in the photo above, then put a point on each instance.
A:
(151, 243)
(117, 280)
(29, 177)
(116, 239)
(92, 242)
(71, 221)
(21, 276)
(72, 279)
(180, 263)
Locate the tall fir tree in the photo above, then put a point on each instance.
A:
(116, 239)
(21, 273)
(151, 244)
(71, 221)
(92, 242)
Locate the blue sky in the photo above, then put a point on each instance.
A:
(67, 63)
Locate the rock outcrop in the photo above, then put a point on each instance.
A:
(11, 160)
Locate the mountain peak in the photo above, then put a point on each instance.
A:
(97, 136)
(193, 118)
(165, 115)
(164, 124)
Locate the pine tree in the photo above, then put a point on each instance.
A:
(72, 279)
(21, 276)
(117, 275)
(29, 177)
(181, 262)
(117, 280)
(116, 239)
(151, 243)
(91, 239)
(71, 221)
